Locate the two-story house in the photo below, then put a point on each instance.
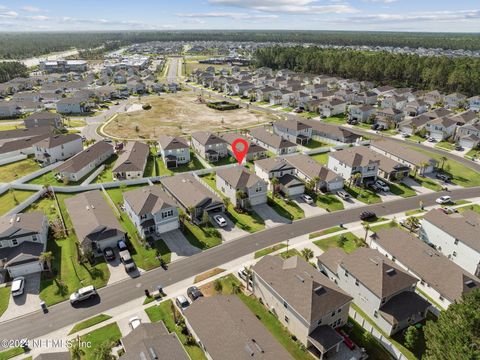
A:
(330, 133)
(361, 113)
(272, 142)
(379, 287)
(355, 160)
(131, 161)
(57, 147)
(43, 118)
(151, 210)
(304, 300)
(209, 146)
(433, 97)
(71, 105)
(468, 135)
(174, 151)
(23, 238)
(441, 128)
(455, 236)
(243, 188)
(293, 130)
(254, 151)
(474, 103)
(455, 100)
(284, 172)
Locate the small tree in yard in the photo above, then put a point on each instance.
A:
(307, 254)
(218, 286)
(205, 218)
(411, 337)
(341, 241)
(274, 183)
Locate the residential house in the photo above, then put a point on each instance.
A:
(194, 197)
(151, 210)
(17, 134)
(468, 135)
(23, 238)
(441, 279)
(415, 108)
(433, 97)
(441, 128)
(366, 97)
(413, 125)
(332, 107)
(131, 162)
(9, 109)
(243, 188)
(386, 90)
(304, 301)
(272, 142)
(325, 132)
(23, 146)
(31, 96)
(71, 106)
(57, 147)
(95, 225)
(395, 102)
(474, 103)
(43, 118)
(415, 160)
(209, 146)
(356, 160)
(293, 130)
(455, 100)
(361, 113)
(379, 287)
(254, 151)
(279, 168)
(233, 324)
(455, 236)
(264, 93)
(175, 151)
(152, 341)
(78, 166)
(309, 169)
(389, 117)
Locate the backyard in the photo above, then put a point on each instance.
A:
(11, 198)
(194, 164)
(321, 158)
(109, 334)
(18, 169)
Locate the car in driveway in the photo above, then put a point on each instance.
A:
(382, 186)
(343, 194)
(432, 140)
(182, 302)
(134, 322)
(448, 210)
(445, 199)
(367, 215)
(109, 254)
(220, 220)
(18, 286)
(127, 261)
(307, 198)
(194, 293)
(122, 245)
(443, 177)
(82, 294)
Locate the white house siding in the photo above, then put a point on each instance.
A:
(128, 175)
(58, 153)
(427, 170)
(346, 171)
(461, 254)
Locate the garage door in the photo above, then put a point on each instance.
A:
(295, 190)
(25, 269)
(170, 226)
(466, 143)
(335, 186)
(257, 200)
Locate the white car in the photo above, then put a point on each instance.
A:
(444, 199)
(84, 293)
(220, 220)
(182, 302)
(18, 285)
(382, 186)
(134, 322)
(308, 199)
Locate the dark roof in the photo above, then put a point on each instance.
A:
(401, 151)
(57, 140)
(356, 156)
(64, 355)
(17, 225)
(290, 181)
(325, 338)
(207, 138)
(312, 168)
(238, 177)
(85, 157)
(252, 148)
(43, 115)
(172, 143)
(21, 144)
(148, 200)
(273, 164)
(268, 138)
(24, 133)
(292, 124)
(402, 306)
(132, 158)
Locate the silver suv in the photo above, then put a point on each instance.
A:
(84, 293)
(127, 261)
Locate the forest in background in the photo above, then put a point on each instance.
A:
(443, 73)
(30, 44)
(10, 70)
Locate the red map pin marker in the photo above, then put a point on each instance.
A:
(240, 148)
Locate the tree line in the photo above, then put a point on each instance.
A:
(443, 73)
(30, 44)
(12, 69)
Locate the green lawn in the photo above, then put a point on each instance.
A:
(163, 312)
(413, 212)
(269, 250)
(364, 195)
(321, 158)
(48, 179)
(416, 138)
(69, 274)
(194, 164)
(428, 183)
(445, 145)
(150, 168)
(109, 334)
(18, 169)
(287, 109)
(473, 207)
(11, 198)
(106, 175)
(223, 161)
(201, 236)
(289, 253)
(4, 299)
(145, 258)
(388, 225)
(328, 202)
(340, 119)
(401, 189)
(325, 232)
(286, 208)
(350, 243)
(309, 114)
(313, 144)
(10, 353)
(45, 205)
(474, 153)
(89, 323)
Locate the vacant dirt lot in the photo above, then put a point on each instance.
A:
(180, 114)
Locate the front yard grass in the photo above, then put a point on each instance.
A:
(445, 145)
(472, 154)
(347, 241)
(339, 120)
(4, 299)
(17, 170)
(201, 236)
(333, 229)
(389, 225)
(473, 207)
(328, 202)
(12, 352)
(289, 253)
(269, 250)
(11, 198)
(89, 323)
(364, 195)
(163, 312)
(109, 334)
(427, 183)
(285, 208)
(194, 164)
(207, 274)
(321, 158)
(416, 138)
(401, 190)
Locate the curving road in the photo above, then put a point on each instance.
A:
(37, 324)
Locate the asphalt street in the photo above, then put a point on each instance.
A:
(63, 314)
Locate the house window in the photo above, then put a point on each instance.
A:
(454, 253)
(455, 242)
(1, 244)
(167, 214)
(375, 314)
(286, 318)
(34, 238)
(319, 322)
(285, 305)
(346, 273)
(383, 300)
(14, 242)
(339, 311)
(357, 282)
(333, 313)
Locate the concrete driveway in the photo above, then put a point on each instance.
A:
(117, 270)
(270, 216)
(388, 196)
(26, 303)
(416, 186)
(229, 232)
(179, 245)
(309, 209)
(350, 203)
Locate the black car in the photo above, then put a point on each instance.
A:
(458, 147)
(443, 177)
(366, 215)
(374, 127)
(194, 293)
(109, 254)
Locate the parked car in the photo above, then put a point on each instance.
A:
(127, 261)
(298, 110)
(220, 220)
(242, 274)
(382, 186)
(307, 198)
(18, 285)
(458, 147)
(182, 302)
(374, 126)
(405, 135)
(122, 245)
(431, 139)
(365, 215)
(343, 194)
(194, 293)
(443, 177)
(134, 322)
(109, 254)
(448, 210)
(444, 200)
(374, 187)
(82, 294)
(348, 342)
